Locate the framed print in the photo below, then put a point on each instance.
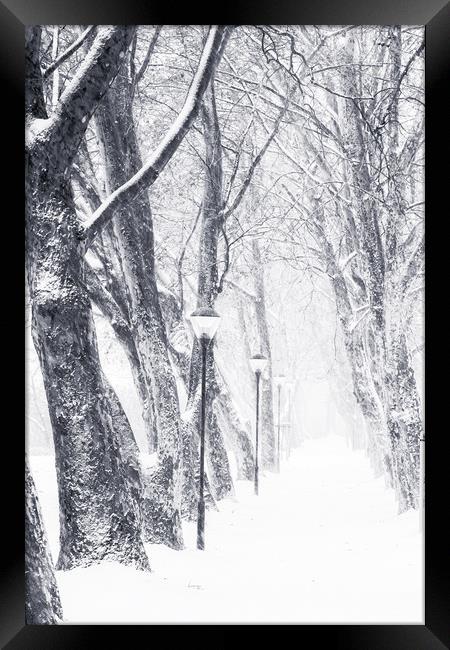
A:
(225, 376)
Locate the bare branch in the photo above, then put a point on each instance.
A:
(75, 45)
(182, 254)
(227, 259)
(403, 75)
(253, 166)
(145, 62)
(154, 165)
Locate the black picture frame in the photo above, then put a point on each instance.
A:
(435, 15)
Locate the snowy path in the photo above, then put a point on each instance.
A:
(322, 543)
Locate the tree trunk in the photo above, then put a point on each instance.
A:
(403, 410)
(359, 353)
(404, 419)
(118, 317)
(267, 423)
(99, 517)
(216, 455)
(42, 600)
(386, 346)
(128, 446)
(238, 436)
(134, 233)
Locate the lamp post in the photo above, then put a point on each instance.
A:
(290, 387)
(257, 363)
(279, 381)
(205, 322)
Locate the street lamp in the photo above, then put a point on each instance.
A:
(257, 363)
(205, 322)
(279, 381)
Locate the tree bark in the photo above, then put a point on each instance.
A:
(42, 599)
(404, 419)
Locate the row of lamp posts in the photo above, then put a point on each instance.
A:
(205, 322)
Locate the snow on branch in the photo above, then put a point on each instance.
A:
(83, 93)
(241, 289)
(356, 320)
(156, 162)
(344, 263)
(77, 43)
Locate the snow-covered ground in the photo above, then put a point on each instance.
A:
(323, 543)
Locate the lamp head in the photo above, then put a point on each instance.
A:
(258, 363)
(279, 380)
(205, 322)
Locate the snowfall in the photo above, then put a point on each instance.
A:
(322, 543)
